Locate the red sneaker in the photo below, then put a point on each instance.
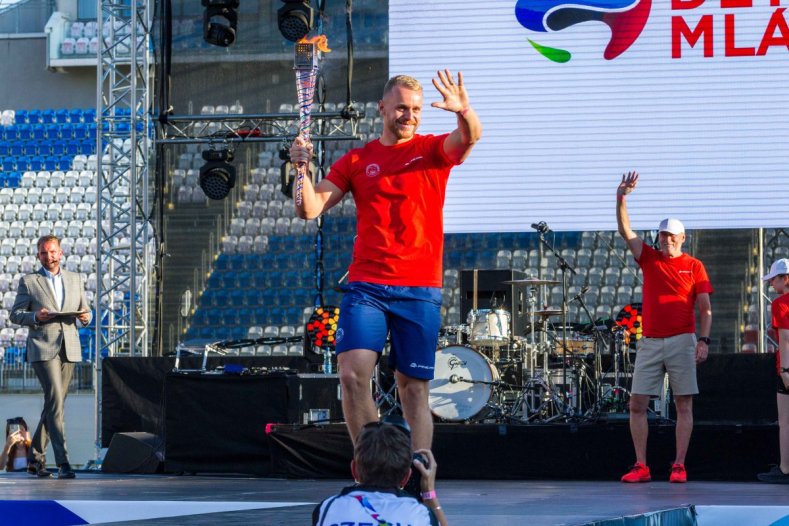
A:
(638, 473)
(678, 473)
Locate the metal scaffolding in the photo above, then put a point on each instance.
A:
(124, 108)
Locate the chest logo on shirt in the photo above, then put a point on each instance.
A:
(685, 272)
(372, 170)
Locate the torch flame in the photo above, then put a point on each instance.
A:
(320, 41)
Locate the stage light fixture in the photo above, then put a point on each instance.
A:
(217, 176)
(220, 22)
(295, 19)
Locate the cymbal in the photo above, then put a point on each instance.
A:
(546, 313)
(531, 282)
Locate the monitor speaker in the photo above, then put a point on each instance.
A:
(134, 453)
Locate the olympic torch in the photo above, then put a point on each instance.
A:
(308, 53)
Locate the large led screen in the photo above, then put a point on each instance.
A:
(692, 94)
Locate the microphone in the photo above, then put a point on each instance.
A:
(541, 227)
(580, 294)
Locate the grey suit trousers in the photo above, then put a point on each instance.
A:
(54, 376)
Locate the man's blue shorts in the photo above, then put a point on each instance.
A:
(412, 315)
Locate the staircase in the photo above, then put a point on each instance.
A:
(725, 256)
(188, 253)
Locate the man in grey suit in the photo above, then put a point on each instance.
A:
(52, 303)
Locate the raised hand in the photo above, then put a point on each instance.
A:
(628, 183)
(454, 94)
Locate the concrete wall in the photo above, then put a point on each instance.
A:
(80, 418)
(26, 83)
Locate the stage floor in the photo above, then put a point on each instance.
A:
(467, 503)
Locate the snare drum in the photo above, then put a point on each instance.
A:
(577, 345)
(462, 386)
(488, 328)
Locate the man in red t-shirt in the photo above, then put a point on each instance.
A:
(398, 182)
(778, 277)
(675, 284)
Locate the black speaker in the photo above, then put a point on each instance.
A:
(134, 453)
(490, 289)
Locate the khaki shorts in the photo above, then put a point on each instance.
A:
(675, 355)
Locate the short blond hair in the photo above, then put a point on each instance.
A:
(406, 81)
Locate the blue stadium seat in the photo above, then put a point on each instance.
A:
(62, 116)
(82, 130)
(45, 147)
(64, 162)
(18, 147)
(23, 163)
(75, 115)
(13, 179)
(72, 147)
(215, 279)
(236, 297)
(21, 116)
(229, 316)
(222, 262)
(34, 116)
(86, 146)
(39, 131)
(66, 130)
(222, 298)
(10, 133)
(59, 147)
(48, 116)
(253, 297)
(25, 131)
(207, 298)
(235, 262)
(89, 115)
(238, 333)
(36, 163)
(5, 148)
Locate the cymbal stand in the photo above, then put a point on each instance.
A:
(619, 393)
(564, 266)
(532, 305)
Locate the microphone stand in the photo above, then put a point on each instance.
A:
(564, 266)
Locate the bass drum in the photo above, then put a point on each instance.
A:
(454, 394)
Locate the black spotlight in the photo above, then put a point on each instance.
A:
(217, 176)
(295, 19)
(220, 21)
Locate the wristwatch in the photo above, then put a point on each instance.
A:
(705, 340)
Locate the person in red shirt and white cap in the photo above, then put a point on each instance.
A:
(675, 285)
(778, 277)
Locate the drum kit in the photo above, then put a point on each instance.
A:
(553, 372)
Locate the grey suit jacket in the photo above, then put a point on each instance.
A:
(44, 339)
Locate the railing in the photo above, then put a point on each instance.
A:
(18, 376)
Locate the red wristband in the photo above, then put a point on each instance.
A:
(429, 495)
(620, 197)
(463, 112)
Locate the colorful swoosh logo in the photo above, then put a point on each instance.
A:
(626, 18)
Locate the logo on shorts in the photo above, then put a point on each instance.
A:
(373, 170)
(338, 336)
(415, 365)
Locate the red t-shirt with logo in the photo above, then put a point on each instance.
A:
(671, 286)
(780, 315)
(399, 193)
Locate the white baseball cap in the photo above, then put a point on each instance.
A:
(779, 267)
(672, 226)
